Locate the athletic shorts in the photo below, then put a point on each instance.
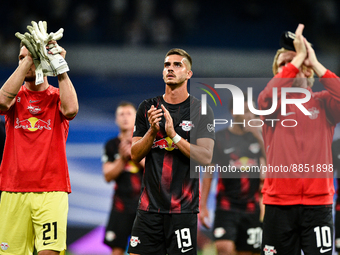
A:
(337, 230)
(244, 229)
(118, 229)
(160, 234)
(290, 229)
(31, 220)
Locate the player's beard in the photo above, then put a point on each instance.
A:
(175, 83)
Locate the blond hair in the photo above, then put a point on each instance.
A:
(275, 66)
(310, 79)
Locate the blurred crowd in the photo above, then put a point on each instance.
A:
(152, 23)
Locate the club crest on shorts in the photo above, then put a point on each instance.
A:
(186, 125)
(269, 250)
(219, 232)
(134, 241)
(110, 236)
(337, 243)
(4, 246)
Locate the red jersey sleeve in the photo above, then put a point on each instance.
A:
(331, 96)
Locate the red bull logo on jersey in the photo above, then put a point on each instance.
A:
(131, 167)
(243, 162)
(164, 143)
(33, 124)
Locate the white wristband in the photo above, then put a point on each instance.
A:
(176, 138)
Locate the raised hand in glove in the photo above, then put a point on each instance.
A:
(42, 65)
(32, 48)
(43, 39)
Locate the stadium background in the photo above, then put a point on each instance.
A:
(115, 50)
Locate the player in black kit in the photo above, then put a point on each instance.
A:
(118, 167)
(171, 133)
(237, 224)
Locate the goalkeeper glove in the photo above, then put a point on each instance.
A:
(38, 31)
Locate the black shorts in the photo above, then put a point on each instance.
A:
(118, 229)
(158, 234)
(244, 229)
(290, 229)
(337, 230)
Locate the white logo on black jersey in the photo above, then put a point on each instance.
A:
(210, 127)
(186, 125)
(134, 241)
(269, 250)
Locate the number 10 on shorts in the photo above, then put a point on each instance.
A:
(323, 237)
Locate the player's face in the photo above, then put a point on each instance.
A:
(125, 117)
(305, 72)
(176, 70)
(30, 76)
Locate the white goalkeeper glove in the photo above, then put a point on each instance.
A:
(38, 31)
(26, 40)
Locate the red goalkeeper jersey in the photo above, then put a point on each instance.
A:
(34, 157)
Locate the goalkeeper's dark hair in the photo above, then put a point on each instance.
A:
(180, 52)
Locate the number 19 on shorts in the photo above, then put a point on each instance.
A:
(184, 239)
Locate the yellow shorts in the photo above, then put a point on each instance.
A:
(32, 219)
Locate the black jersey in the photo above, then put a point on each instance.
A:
(167, 186)
(240, 192)
(128, 183)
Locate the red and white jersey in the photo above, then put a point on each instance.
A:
(34, 157)
(308, 144)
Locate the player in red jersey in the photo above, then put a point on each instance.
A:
(170, 132)
(34, 173)
(298, 211)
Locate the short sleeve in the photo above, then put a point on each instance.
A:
(140, 123)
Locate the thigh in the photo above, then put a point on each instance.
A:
(226, 225)
(181, 233)
(118, 229)
(317, 230)
(249, 233)
(281, 231)
(49, 213)
(16, 231)
(147, 235)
